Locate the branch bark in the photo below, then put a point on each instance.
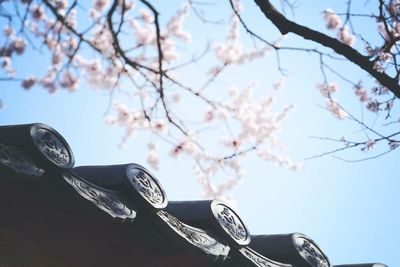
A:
(287, 26)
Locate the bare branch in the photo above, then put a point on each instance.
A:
(160, 67)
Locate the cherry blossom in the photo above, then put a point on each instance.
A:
(345, 37)
(362, 93)
(7, 31)
(61, 4)
(373, 106)
(99, 5)
(175, 25)
(327, 89)
(159, 126)
(334, 108)
(68, 81)
(209, 114)
(140, 55)
(370, 144)
(332, 20)
(28, 82)
(6, 64)
(38, 12)
(152, 157)
(18, 45)
(394, 144)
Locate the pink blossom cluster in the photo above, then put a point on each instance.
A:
(382, 60)
(256, 129)
(49, 33)
(14, 45)
(333, 22)
(372, 104)
(335, 109)
(382, 56)
(393, 144)
(231, 51)
(6, 65)
(370, 144)
(345, 37)
(361, 93)
(152, 158)
(104, 70)
(127, 55)
(327, 91)
(145, 34)
(394, 7)
(389, 29)
(175, 24)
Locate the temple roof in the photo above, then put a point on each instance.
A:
(55, 214)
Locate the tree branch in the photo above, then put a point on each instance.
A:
(286, 26)
(160, 66)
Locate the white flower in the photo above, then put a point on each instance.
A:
(233, 34)
(28, 82)
(123, 113)
(143, 34)
(223, 113)
(332, 20)
(153, 159)
(175, 25)
(176, 151)
(228, 53)
(129, 5)
(49, 83)
(209, 114)
(6, 62)
(169, 51)
(231, 51)
(57, 57)
(68, 81)
(231, 142)
(362, 94)
(374, 106)
(61, 4)
(146, 17)
(214, 71)
(327, 89)
(370, 143)
(346, 37)
(394, 7)
(334, 108)
(394, 144)
(110, 120)
(385, 57)
(19, 45)
(159, 126)
(7, 31)
(378, 66)
(99, 5)
(38, 12)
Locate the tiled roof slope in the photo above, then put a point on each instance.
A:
(56, 215)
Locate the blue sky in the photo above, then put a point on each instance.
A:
(352, 210)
